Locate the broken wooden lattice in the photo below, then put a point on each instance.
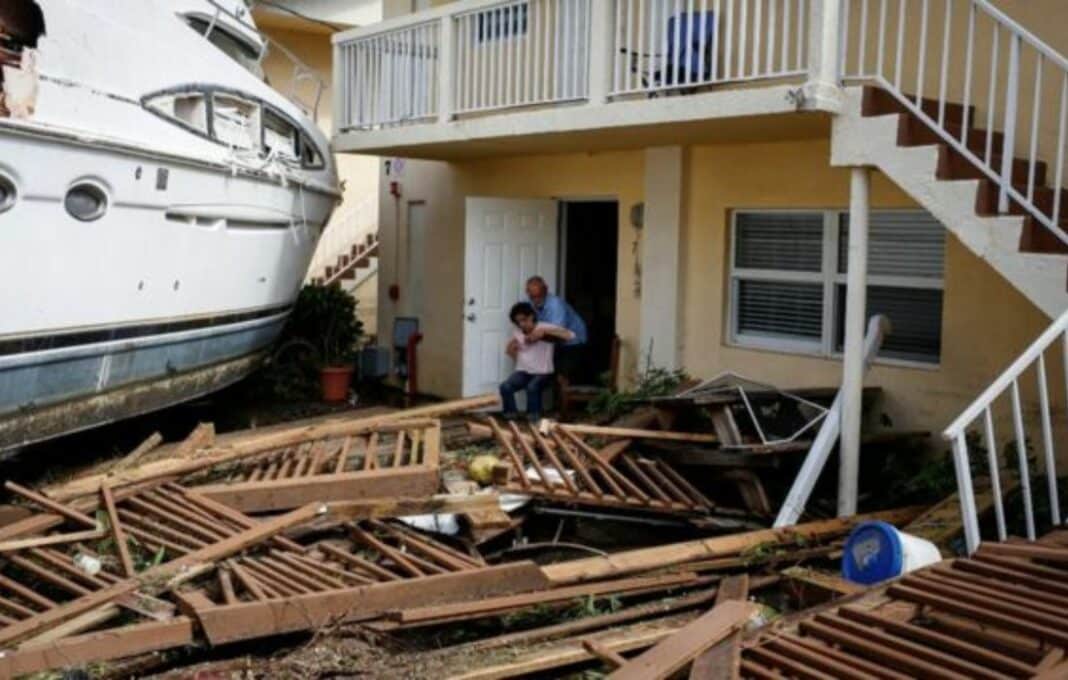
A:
(561, 466)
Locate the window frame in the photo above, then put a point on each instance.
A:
(209, 92)
(830, 279)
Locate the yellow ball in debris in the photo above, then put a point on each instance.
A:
(481, 467)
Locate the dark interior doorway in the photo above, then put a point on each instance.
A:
(590, 239)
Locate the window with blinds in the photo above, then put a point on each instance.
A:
(788, 281)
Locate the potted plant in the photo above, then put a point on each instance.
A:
(325, 317)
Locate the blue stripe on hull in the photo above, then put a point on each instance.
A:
(49, 378)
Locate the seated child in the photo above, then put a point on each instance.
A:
(532, 347)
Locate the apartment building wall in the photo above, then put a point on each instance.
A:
(985, 322)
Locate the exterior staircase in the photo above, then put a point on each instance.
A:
(966, 110)
(358, 265)
(878, 129)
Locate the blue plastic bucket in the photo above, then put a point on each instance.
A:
(876, 552)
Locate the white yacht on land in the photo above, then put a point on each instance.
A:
(159, 205)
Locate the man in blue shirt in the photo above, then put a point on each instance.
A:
(552, 309)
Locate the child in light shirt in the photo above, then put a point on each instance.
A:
(533, 345)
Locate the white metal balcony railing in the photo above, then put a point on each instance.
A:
(981, 414)
(488, 55)
(971, 53)
(663, 45)
(390, 77)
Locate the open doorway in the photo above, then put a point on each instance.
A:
(588, 262)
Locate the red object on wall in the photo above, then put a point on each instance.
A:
(395, 189)
(394, 292)
(413, 364)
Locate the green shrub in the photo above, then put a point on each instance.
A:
(323, 330)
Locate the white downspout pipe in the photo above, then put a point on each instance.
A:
(853, 361)
(795, 502)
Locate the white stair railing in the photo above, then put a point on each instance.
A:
(971, 53)
(981, 414)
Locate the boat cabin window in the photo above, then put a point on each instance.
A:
(310, 157)
(187, 108)
(240, 122)
(280, 136)
(236, 121)
(244, 53)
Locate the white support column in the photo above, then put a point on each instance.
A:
(341, 91)
(822, 91)
(446, 66)
(661, 256)
(853, 362)
(602, 32)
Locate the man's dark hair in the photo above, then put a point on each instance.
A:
(522, 309)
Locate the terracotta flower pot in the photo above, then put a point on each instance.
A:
(335, 381)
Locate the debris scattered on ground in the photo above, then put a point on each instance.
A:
(434, 542)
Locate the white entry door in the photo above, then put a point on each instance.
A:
(507, 242)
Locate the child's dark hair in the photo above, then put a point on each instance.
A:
(522, 309)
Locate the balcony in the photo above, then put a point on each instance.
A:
(485, 77)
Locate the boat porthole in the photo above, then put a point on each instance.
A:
(8, 193)
(86, 201)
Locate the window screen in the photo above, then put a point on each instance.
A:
(783, 241)
(773, 308)
(787, 292)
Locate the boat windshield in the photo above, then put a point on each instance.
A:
(241, 51)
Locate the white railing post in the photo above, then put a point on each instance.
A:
(447, 66)
(1012, 94)
(342, 89)
(822, 91)
(602, 40)
(966, 493)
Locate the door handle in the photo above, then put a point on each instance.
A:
(471, 318)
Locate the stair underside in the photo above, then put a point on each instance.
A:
(953, 165)
(950, 190)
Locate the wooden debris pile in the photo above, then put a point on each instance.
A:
(275, 532)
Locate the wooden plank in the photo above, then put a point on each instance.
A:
(609, 452)
(673, 653)
(631, 561)
(51, 539)
(226, 623)
(610, 657)
(505, 441)
(632, 433)
(202, 436)
(725, 426)
(117, 533)
(99, 646)
(285, 494)
(488, 606)
(134, 457)
(571, 652)
(814, 586)
(723, 660)
(50, 504)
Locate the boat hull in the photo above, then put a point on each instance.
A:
(189, 268)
